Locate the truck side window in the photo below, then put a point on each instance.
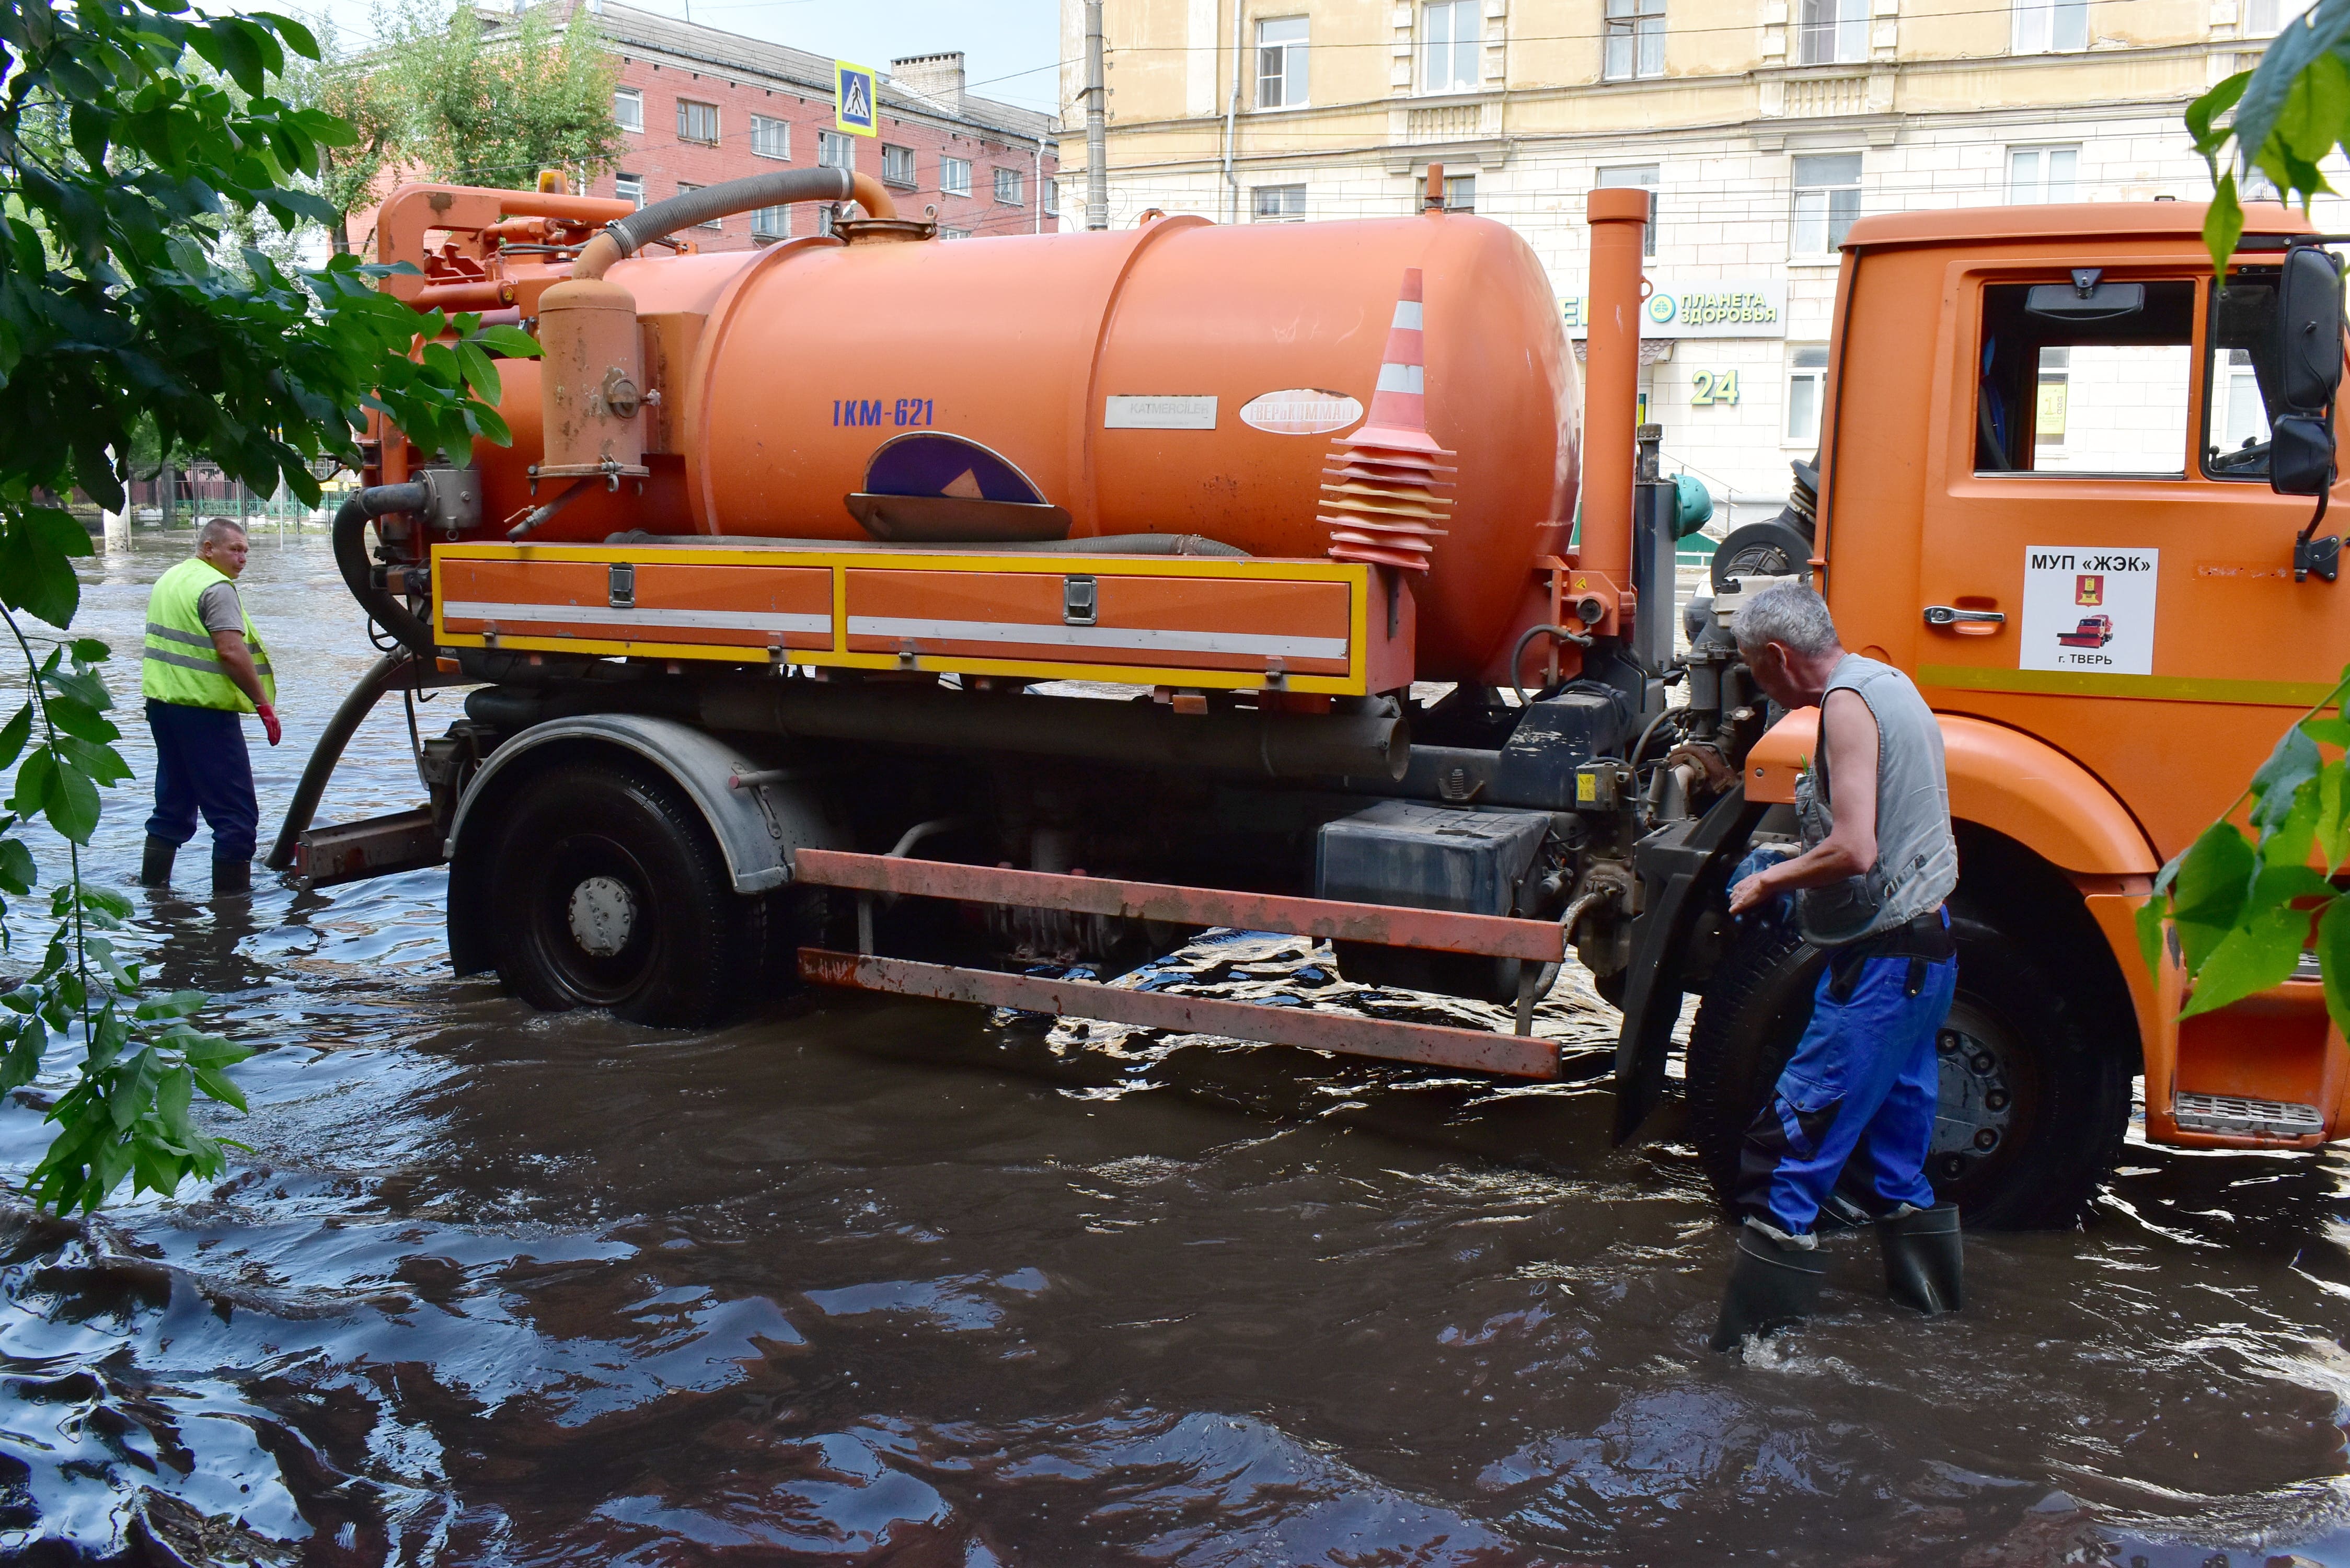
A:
(2241, 375)
(2106, 395)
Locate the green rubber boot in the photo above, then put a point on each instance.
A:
(1772, 1286)
(155, 866)
(1922, 1259)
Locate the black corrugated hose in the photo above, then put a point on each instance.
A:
(358, 573)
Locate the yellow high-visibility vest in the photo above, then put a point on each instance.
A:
(181, 664)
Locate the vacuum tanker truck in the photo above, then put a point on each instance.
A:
(880, 612)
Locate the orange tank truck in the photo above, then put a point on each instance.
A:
(797, 615)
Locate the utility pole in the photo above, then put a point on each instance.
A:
(1096, 127)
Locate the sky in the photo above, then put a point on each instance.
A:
(1010, 47)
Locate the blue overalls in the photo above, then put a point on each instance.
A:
(1861, 1085)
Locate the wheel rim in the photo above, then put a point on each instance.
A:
(1986, 1100)
(592, 919)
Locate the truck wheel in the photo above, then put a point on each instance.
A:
(2032, 1107)
(607, 890)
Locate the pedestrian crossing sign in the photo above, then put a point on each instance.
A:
(852, 100)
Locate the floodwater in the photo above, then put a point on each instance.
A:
(871, 1282)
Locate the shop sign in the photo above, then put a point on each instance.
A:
(1716, 307)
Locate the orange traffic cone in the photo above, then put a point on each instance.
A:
(1387, 502)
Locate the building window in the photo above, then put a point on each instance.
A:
(628, 108)
(770, 138)
(1448, 46)
(1807, 381)
(708, 222)
(897, 165)
(771, 223)
(1832, 32)
(1277, 204)
(1459, 192)
(954, 176)
(629, 188)
(954, 234)
(2046, 26)
(2262, 18)
(833, 151)
(1280, 62)
(1052, 194)
(1827, 199)
(696, 121)
(2041, 174)
(824, 216)
(1008, 187)
(1637, 177)
(1636, 39)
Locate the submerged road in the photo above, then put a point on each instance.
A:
(868, 1281)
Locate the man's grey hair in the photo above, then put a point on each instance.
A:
(1789, 613)
(216, 529)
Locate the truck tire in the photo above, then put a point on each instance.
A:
(608, 890)
(2020, 1073)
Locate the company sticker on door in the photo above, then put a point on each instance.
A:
(2089, 609)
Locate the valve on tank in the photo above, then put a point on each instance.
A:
(593, 379)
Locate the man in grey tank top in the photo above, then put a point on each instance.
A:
(1878, 860)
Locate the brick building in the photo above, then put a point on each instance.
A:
(698, 105)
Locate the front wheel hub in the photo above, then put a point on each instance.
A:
(602, 914)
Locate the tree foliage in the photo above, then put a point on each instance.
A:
(133, 138)
(2238, 910)
(2289, 112)
(478, 107)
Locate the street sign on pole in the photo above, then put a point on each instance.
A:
(853, 99)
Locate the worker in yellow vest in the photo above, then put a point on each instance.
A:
(206, 667)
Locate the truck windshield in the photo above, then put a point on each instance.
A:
(2100, 396)
(2242, 376)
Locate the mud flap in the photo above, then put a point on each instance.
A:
(1679, 868)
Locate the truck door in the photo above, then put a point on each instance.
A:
(2104, 564)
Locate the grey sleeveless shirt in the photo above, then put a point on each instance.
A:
(1917, 859)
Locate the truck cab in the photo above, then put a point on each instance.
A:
(2045, 493)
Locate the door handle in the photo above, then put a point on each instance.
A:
(1948, 615)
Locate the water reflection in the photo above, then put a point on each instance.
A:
(870, 1280)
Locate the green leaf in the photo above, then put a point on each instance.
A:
(14, 735)
(2223, 221)
(2294, 761)
(2334, 962)
(179, 1004)
(511, 342)
(2204, 111)
(2251, 959)
(2214, 881)
(216, 1086)
(2334, 733)
(79, 718)
(2152, 916)
(72, 806)
(17, 873)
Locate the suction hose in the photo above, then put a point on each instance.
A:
(352, 559)
(774, 188)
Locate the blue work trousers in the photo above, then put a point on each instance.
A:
(1862, 1084)
(201, 766)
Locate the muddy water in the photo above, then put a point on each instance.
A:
(873, 1282)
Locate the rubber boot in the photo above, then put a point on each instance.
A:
(155, 867)
(232, 877)
(1922, 1252)
(1771, 1286)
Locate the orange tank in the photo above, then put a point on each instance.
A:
(1181, 377)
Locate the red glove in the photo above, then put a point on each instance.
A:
(269, 724)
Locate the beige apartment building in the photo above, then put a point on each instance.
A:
(1763, 126)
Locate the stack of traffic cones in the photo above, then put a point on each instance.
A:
(1386, 502)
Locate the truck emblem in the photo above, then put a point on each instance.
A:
(1301, 410)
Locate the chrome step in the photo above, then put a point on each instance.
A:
(2226, 1114)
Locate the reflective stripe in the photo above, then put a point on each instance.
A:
(1407, 314)
(1400, 378)
(185, 660)
(173, 635)
(603, 615)
(1143, 639)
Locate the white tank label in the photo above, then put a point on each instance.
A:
(1301, 410)
(1130, 413)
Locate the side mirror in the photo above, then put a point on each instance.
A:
(2309, 329)
(2309, 372)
